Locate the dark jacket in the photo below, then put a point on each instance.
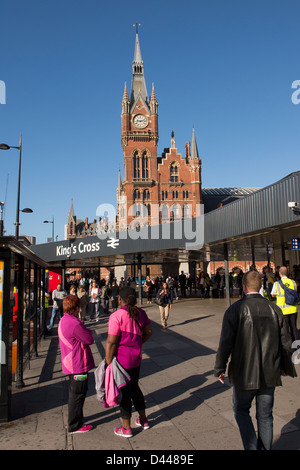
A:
(254, 333)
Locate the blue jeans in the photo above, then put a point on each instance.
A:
(94, 310)
(55, 311)
(106, 305)
(242, 400)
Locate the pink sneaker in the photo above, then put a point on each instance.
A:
(143, 424)
(123, 432)
(86, 428)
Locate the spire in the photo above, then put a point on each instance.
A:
(194, 151)
(125, 101)
(138, 84)
(119, 181)
(71, 213)
(137, 49)
(153, 101)
(125, 95)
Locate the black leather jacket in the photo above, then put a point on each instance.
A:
(255, 335)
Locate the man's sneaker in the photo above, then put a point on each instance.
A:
(86, 428)
(123, 432)
(143, 424)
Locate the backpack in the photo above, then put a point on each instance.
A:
(291, 295)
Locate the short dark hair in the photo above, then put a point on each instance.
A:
(252, 281)
(71, 304)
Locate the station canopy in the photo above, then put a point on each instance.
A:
(261, 220)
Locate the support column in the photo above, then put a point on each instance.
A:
(139, 259)
(253, 253)
(283, 258)
(63, 274)
(227, 289)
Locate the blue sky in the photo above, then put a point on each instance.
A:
(225, 68)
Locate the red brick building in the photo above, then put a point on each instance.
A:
(154, 188)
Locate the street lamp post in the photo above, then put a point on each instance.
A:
(1, 219)
(51, 222)
(7, 147)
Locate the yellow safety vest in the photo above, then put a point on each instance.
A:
(280, 297)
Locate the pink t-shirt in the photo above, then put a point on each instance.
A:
(129, 349)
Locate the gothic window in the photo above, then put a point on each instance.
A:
(136, 165)
(137, 210)
(136, 194)
(176, 211)
(146, 194)
(145, 171)
(185, 194)
(165, 212)
(175, 194)
(164, 195)
(174, 173)
(187, 210)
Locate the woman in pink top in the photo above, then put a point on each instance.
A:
(77, 360)
(128, 328)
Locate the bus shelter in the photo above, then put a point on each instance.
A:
(22, 314)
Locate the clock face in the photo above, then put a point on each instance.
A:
(140, 121)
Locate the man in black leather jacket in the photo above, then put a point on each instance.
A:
(254, 334)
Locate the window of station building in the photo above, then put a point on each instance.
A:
(185, 194)
(187, 210)
(176, 211)
(165, 212)
(175, 194)
(145, 171)
(164, 195)
(136, 165)
(136, 194)
(146, 194)
(174, 172)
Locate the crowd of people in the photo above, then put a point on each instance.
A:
(248, 324)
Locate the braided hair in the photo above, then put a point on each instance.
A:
(128, 295)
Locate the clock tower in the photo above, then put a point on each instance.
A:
(155, 189)
(139, 142)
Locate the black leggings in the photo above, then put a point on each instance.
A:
(132, 391)
(77, 394)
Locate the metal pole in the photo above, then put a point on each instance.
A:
(139, 257)
(227, 289)
(35, 311)
(1, 219)
(19, 187)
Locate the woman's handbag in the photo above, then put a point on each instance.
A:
(160, 300)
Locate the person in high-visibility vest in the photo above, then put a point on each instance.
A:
(289, 311)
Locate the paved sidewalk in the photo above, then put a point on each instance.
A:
(187, 407)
